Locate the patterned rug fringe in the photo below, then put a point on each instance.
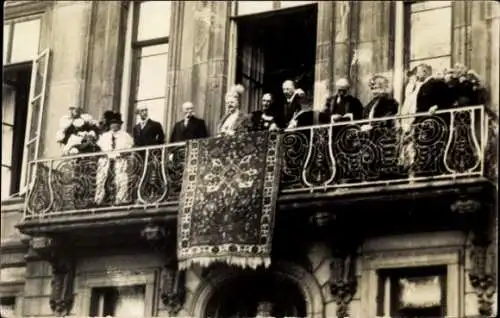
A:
(243, 262)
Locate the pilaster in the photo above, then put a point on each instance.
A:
(325, 45)
(70, 25)
(105, 61)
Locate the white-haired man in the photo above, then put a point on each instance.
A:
(342, 106)
(190, 127)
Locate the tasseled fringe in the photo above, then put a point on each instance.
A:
(240, 261)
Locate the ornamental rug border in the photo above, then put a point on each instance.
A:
(241, 254)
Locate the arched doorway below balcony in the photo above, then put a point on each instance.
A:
(253, 291)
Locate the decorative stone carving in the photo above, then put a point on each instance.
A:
(173, 290)
(343, 281)
(482, 273)
(63, 271)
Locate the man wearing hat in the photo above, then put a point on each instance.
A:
(341, 106)
(112, 142)
(147, 132)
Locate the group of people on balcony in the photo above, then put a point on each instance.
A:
(424, 93)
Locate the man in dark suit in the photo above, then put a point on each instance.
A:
(341, 106)
(190, 127)
(433, 93)
(292, 102)
(147, 132)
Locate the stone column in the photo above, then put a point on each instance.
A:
(374, 45)
(69, 44)
(324, 70)
(203, 64)
(174, 61)
(461, 21)
(485, 34)
(342, 38)
(105, 61)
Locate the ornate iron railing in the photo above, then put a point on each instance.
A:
(447, 145)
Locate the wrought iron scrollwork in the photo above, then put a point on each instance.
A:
(463, 153)
(85, 183)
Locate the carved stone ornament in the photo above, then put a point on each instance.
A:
(465, 206)
(173, 291)
(485, 287)
(343, 284)
(63, 272)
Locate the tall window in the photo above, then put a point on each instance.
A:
(428, 33)
(125, 301)
(20, 48)
(412, 292)
(150, 44)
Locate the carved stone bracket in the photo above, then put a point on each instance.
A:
(482, 274)
(173, 291)
(57, 253)
(343, 244)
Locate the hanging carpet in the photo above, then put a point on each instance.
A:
(228, 200)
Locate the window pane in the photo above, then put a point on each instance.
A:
(438, 64)
(25, 41)
(430, 34)
(8, 103)
(7, 141)
(12, 274)
(6, 177)
(7, 306)
(156, 109)
(152, 79)
(130, 302)
(420, 292)
(288, 4)
(6, 31)
(154, 50)
(249, 7)
(154, 20)
(426, 5)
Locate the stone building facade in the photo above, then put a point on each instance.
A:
(116, 55)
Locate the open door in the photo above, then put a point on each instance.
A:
(36, 105)
(251, 70)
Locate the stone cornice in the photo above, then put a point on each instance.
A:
(17, 9)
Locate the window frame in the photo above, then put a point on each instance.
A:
(119, 279)
(414, 258)
(402, 40)
(12, 22)
(132, 62)
(393, 274)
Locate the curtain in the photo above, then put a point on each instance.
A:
(252, 76)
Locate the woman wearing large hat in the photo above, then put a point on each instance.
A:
(234, 120)
(112, 142)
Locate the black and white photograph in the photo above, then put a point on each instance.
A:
(234, 159)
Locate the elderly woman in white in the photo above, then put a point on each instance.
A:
(234, 119)
(113, 140)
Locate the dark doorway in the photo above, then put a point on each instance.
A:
(240, 297)
(273, 47)
(15, 94)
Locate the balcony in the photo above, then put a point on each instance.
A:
(354, 158)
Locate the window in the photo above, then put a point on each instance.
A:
(22, 104)
(253, 7)
(428, 33)
(21, 39)
(7, 306)
(124, 301)
(412, 292)
(150, 46)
